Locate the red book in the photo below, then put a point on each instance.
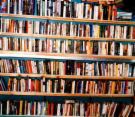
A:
(52, 108)
(32, 85)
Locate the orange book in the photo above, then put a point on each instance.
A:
(26, 25)
(113, 87)
(29, 66)
(9, 84)
(37, 86)
(11, 26)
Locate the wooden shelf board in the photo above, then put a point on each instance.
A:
(43, 36)
(98, 0)
(68, 19)
(43, 55)
(67, 76)
(62, 94)
(64, 37)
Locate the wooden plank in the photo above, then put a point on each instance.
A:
(13, 93)
(69, 19)
(63, 56)
(67, 76)
(65, 37)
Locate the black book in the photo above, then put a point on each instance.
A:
(117, 48)
(62, 5)
(105, 12)
(59, 86)
(36, 45)
(68, 86)
(67, 9)
(70, 67)
(11, 6)
(95, 47)
(72, 10)
(133, 50)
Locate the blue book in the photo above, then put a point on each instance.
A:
(35, 7)
(91, 30)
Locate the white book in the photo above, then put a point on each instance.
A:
(82, 86)
(55, 86)
(121, 49)
(86, 10)
(41, 7)
(46, 8)
(18, 67)
(130, 47)
(41, 67)
(58, 46)
(39, 108)
(82, 109)
(59, 7)
(96, 12)
(20, 7)
(22, 40)
(20, 26)
(134, 72)
(125, 32)
(8, 6)
(34, 68)
(81, 10)
(5, 43)
(30, 45)
(64, 9)
(8, 107)
(40, 45)
(5, 27)
(58, 110)
(71, 29)
(22, 85)
(104, 109)
(54, 8)
(1, 24)
(1, 108)
(58, 29)
(29, 84)
(15, 84)
(131, 32)
(15, 6)
(36, 27)
(28, 111)
(112, 31)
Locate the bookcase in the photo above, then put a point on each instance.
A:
(66, 58)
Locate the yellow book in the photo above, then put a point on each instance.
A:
(21, 105)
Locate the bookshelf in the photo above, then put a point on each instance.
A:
(82, 52)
